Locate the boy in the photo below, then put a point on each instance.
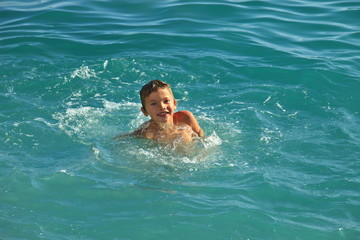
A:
(165, 124)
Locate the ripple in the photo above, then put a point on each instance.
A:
(274, 85)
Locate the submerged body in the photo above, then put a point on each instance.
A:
(167, 133)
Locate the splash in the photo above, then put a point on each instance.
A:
(154, 156)
(79, 121)
(84, 72)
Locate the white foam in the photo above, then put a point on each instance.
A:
(211, 141)
(96, 151)
(84, 72)
(207, 119)
(122, 105)
(267, 100)
(79, 120)
(84, 111)
(269, 135)
(105, 64)
(280, 107)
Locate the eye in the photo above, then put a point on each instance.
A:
(153, 104)
(166, 101)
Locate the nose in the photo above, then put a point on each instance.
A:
(162, 105)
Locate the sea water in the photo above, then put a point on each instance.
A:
(274, 85)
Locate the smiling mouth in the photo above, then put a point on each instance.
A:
(163, 114)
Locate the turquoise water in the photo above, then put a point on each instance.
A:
(274, 84)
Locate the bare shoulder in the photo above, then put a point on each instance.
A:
(143, 130)
(188, 118)
(183, 116)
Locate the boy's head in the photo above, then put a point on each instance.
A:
(153, 86)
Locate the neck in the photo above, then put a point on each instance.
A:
(163, 126)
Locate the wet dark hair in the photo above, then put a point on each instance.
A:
(152, 86)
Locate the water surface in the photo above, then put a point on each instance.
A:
(274, 85)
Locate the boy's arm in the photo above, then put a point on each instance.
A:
(189, 119)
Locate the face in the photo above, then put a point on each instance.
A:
(160, 105)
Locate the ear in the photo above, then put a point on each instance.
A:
(144, 112)
(175, 102)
